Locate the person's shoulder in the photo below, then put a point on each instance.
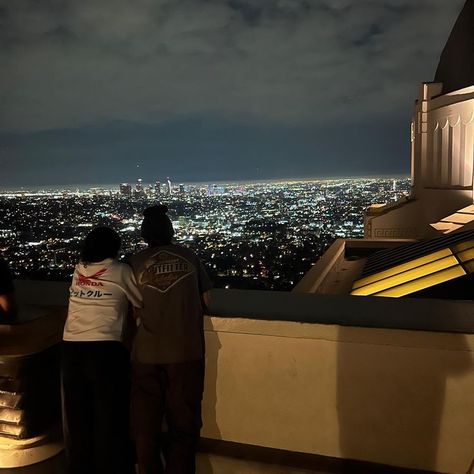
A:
(6, 283)
(121, 266)
(118, 268)
(185, 252)
(121, 271)
(135, 258)
(182, 249)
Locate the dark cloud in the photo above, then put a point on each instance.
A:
(251, 13)
(286, 62)
(201, 150)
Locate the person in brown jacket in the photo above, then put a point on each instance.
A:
(168, 351)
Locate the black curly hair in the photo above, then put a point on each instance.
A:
(99, 244)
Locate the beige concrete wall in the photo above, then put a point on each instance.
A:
(389, 396)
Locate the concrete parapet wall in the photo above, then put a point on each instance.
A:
(396, 397)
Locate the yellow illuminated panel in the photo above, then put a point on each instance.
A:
(402, 268)
(420, 273)
(423, 283)
(407, 276)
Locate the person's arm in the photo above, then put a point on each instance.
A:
(8, 305)
(132, 290)
(206, 299)
(205, 285)
(134, 298)
(130, 327)
(133, 294)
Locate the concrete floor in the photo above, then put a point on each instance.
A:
(206, 464)
(212, 463)
(216, 464)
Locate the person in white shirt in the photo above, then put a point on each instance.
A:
(95, 362)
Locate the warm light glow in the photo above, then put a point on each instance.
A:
(455, 221)
(468, 209)
(446, 227)
(460, 218)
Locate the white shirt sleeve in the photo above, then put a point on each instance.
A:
(130, 286)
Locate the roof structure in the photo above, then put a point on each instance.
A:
(456, 66)
(412, 268)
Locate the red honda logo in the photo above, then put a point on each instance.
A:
(89, 280)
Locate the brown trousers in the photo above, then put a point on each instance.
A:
(172, 392)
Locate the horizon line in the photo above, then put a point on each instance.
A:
(76, 186)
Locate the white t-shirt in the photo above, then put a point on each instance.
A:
(98, 301)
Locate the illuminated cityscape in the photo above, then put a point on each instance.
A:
(250, 235)
(360, 356)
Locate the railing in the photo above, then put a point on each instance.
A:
(371, 312)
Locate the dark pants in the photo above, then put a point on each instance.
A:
(96, 395)
(173, 392)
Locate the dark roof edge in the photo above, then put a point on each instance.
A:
(456, 66)
(343, 310)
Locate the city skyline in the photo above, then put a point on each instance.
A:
(231, 90)
(254, 235)
(84, 187)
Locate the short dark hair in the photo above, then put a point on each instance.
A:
(99, 244)
(157, 228)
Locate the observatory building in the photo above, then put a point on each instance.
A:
(423, 244)
(442, 138)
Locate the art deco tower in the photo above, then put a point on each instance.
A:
(442, 136)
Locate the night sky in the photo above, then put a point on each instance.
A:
(105, 91)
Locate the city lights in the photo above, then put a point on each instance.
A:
(256, 235)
